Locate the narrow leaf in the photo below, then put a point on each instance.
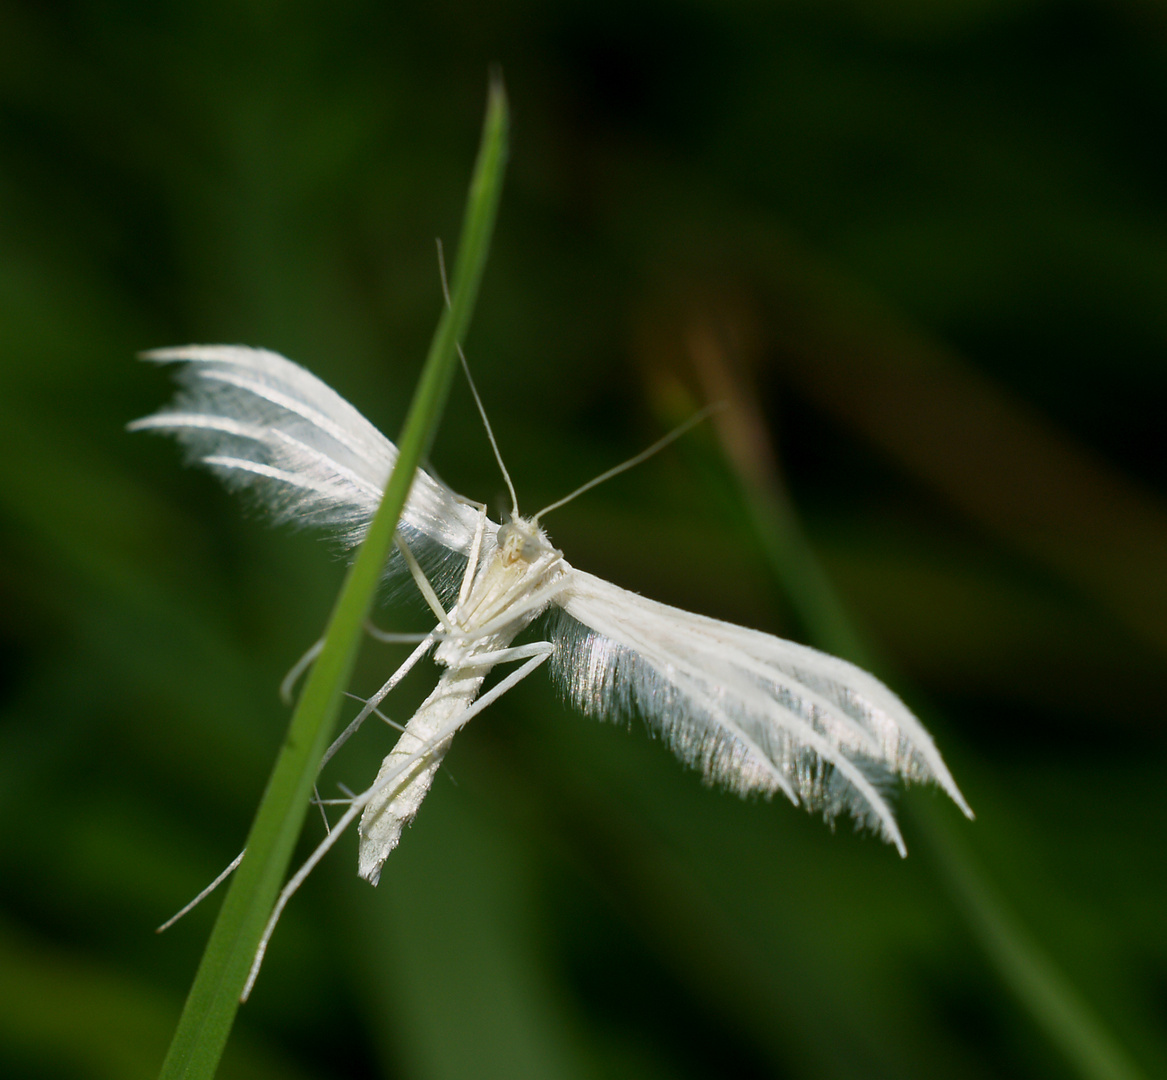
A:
(214, 998)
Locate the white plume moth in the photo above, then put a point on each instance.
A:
(750, 711)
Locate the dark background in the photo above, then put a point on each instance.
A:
(925, 242)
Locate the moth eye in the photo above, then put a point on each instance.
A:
(503, 534)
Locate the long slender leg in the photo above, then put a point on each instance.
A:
(511, 653)
(288, 684)
(377, 698)
(472, 563)
(370, 707)
(232, 867)
(376, 712)
(320, 806)
(513, 679)
(298, 669)
(423, 584)
(389, 637)
(382, 785)
(386, 817)
(536, 655)
(536, 600)
(382, 823)
(426, 643)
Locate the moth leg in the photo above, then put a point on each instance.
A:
(372, 703)
(475, 552)
(540, 649)
(186, 909)
(385, 818)
(319, 804)
(370, 707)
(288, 684)
(532, 602)
(534, 654)
(358, 803)
(390, 637)
(298, 668)
(423, 584)
(376, 712)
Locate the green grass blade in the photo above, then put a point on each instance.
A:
(1052, 1000)
(214, 997)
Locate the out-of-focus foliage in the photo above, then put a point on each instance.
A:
(926, 241)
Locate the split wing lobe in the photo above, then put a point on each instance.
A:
(267, 425)
(751, 711)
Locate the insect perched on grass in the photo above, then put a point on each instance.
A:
(752, 712)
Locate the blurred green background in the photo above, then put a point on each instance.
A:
(921, 248)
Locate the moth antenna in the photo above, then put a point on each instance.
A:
(490, 435)
(474, 390)
(643, 456)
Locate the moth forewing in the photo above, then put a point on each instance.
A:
(267, 425)
(751, 711)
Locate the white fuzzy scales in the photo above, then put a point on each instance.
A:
(748, 710)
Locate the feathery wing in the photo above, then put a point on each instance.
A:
(267, 425)
(751, 711)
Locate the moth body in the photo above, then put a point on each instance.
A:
(501, 596)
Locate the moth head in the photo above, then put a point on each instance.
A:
(518, 539)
